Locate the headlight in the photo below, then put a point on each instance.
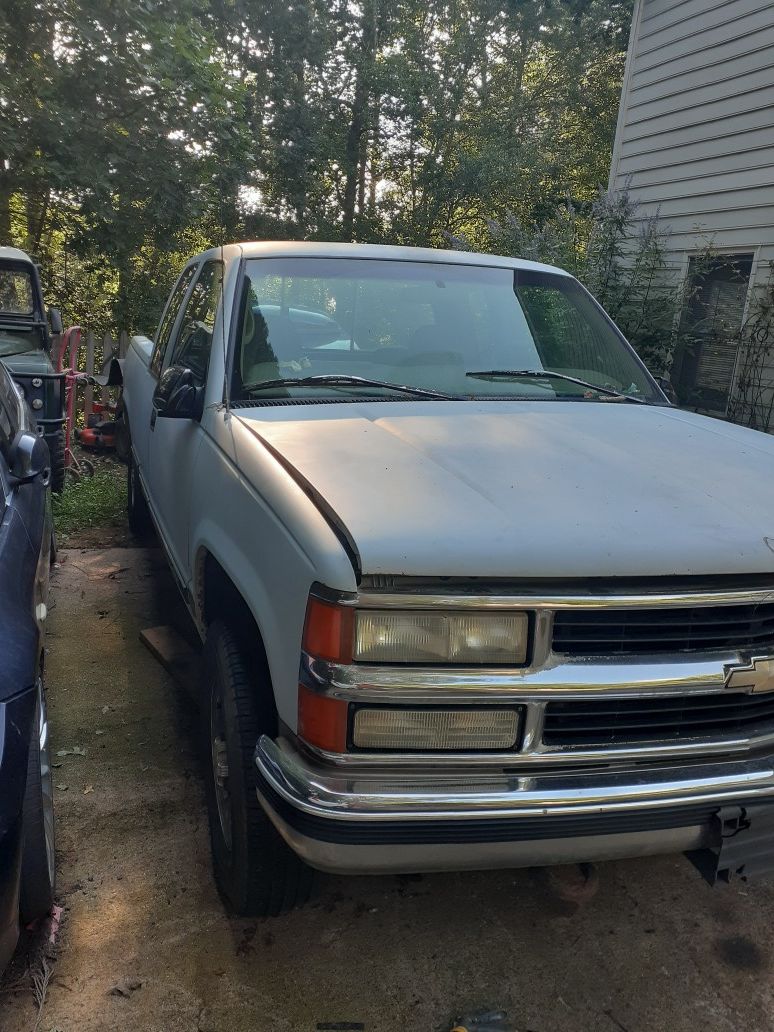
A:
(458, 638)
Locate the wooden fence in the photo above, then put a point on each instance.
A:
(93, 357)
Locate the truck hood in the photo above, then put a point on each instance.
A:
(29, 363)
(533, 489)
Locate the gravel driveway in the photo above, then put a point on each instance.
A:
(145, 943)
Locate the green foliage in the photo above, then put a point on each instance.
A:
(752, 401)
(132, 135)
(96, 501)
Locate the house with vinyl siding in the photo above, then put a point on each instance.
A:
(695, 147)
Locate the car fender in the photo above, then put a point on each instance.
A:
(273, 544)
(21, 547)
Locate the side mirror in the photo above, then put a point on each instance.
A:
(668, 388)
(28, 459)
(178, 395)
(55, 320)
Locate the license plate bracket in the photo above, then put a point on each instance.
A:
(742, 844)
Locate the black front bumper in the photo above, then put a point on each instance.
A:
(16, 725)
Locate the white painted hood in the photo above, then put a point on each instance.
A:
(534, 489)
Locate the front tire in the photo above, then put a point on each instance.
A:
(36, 894)
(137, 509)
(257, 874)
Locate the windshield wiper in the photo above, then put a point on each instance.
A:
(344, 380)
(547, 374)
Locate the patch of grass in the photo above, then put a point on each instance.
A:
(95, 501)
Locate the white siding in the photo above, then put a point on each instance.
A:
(695, 137)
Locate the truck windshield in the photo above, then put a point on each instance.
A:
(16, 297)
(18, 333)
(15, 340)
(425, 325)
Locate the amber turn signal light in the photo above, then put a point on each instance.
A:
(322, 721)
(328, 631)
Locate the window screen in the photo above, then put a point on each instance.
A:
(709, 328)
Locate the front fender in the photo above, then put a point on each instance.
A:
(21, 544)
(275, 594)
(273, 544)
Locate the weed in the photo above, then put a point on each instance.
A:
(95, 501)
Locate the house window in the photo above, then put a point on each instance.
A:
(709, 326)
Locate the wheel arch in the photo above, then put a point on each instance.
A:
(218, 597)
(123, 434)
(216, 588)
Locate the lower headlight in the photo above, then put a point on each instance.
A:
(441, 730)
(394, 636)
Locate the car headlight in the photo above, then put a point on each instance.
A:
(341, 634)
(455, 638)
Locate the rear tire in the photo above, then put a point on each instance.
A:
(140, 522)
(56, 447)
(257, 874)
(36, 894)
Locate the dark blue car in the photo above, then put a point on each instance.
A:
(26, 810)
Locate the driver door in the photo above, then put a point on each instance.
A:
(140, 378)
(174, 443)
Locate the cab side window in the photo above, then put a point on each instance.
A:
(170, 317)
(192, 346)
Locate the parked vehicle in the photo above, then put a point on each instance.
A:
(26, 800)
(25, 349)
(472, 593)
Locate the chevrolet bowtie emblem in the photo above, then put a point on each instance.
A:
(757, 675)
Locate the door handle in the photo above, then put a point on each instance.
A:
(154, 417)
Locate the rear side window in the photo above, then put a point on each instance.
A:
(169, 319)
(193, 343)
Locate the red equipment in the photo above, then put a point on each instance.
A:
(99, 434)
(100, 431)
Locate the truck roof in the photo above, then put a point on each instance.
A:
(14, 254)
(304, 249)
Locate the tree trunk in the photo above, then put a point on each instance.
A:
(373, 171)
(355, 152)
(352, 154)
(5, 206)
(362, 162)
(36, 207)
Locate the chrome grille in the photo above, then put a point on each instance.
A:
(631, 632)
(602, 722)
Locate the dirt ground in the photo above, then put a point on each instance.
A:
(146, 946)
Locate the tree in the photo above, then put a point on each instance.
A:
(132, 135)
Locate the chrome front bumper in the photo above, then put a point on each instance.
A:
(376, 820)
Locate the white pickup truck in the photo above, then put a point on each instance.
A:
(472, 593)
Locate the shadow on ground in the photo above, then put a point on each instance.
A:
(147, 946)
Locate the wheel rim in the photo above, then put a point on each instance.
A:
(46, 782)
(219, 756)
